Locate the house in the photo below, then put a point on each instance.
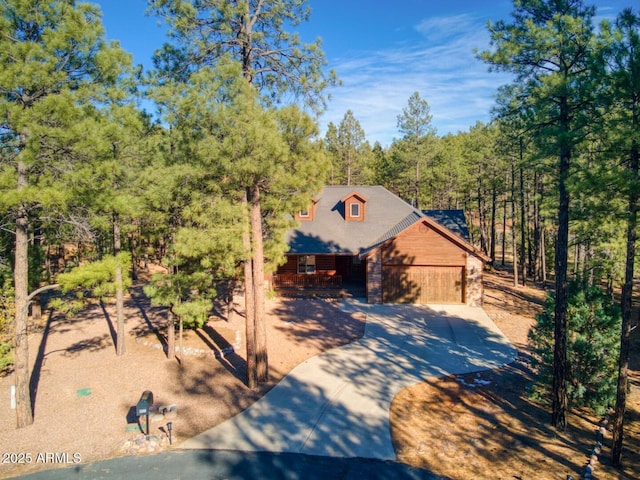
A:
(366, 237)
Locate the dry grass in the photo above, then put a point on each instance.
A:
(483, 426)
(482, 432)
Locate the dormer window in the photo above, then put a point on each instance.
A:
(308, 214)
(355, 210)
(354, 207)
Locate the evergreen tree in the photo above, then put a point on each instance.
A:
(593, 326)
(54, 64)
(107, 185)
(252, 33)
(415, 125)
(415, 120)
(548, 47)
(332, 148)
(621, 56)
(347, 144)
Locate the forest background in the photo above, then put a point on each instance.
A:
(92, 188)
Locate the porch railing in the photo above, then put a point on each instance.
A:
(306, 281)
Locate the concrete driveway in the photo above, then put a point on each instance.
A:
(337, 404)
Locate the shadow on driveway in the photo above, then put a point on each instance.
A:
(336, 404)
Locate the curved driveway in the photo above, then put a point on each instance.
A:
(337, 404)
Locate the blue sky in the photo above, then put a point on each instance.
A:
(383, 51)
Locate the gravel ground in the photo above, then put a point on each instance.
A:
(85, 395)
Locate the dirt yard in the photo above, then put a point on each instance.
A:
(85, 395)
(469, 427)
(482, 426)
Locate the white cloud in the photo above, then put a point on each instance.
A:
(439, 28)
(441, 67)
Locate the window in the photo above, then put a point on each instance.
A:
(354, 206)
(307, 264)
(354, 210)
(304, 214)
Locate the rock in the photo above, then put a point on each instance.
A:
(171, 415)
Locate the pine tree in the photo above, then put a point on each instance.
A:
(548, 48)
(593, 325)
(54, 64)
(346, 143)
(272, 61)
(620, 48)
(415, 125)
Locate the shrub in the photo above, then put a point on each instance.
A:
(593, 336)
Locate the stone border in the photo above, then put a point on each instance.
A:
(197, 352)
(589, 469)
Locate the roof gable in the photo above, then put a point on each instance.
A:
(356, 195)
(387, 215)
(329, 233)
(451, 236)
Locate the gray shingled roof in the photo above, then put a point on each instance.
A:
(386, 215)
(454, 220)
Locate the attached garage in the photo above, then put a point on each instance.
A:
(425, 264)
(423, 284)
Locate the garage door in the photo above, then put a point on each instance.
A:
(418, 284)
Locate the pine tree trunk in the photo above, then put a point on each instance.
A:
(543, 256)
(171, 335)
(523, 223)
(537, 227)
(482, 221)
(262, 359)
(180, 338)
(117, 246)
(559, 402)
(24, 409)
(494, 202)
(417, 186)
(514, 242)
(134, 258)
(504, 224)
(530, 234)
(250, 325)
(626, 305)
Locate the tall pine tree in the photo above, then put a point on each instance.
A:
(548, 47)
(54, 64)
(620, 58)
(273, 61)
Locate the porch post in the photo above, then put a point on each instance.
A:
(374, 277)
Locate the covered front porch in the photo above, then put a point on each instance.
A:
(321, 275)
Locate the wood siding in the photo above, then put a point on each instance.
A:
(420, 245)
(418, 284)
(324, 264)
(422, 266)
(291, 266)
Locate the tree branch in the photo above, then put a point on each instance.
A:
(40, 290)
